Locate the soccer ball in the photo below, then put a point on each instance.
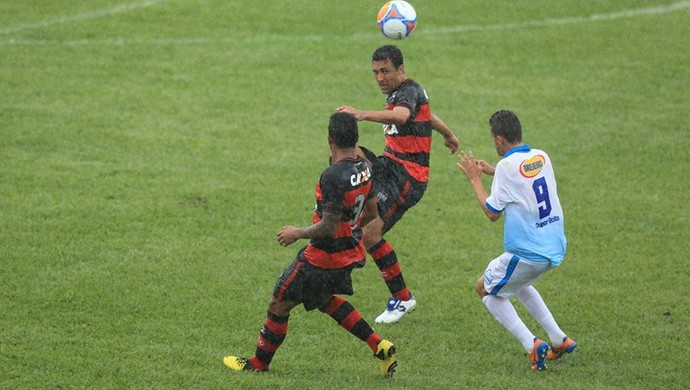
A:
(397, 19)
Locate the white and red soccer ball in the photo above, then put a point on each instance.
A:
(397, 19)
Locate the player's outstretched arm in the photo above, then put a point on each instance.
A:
(449, 139)
(327, 226)
(473, 171)
(397, 116)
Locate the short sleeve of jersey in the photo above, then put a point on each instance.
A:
(500, 195)
(332, 192)
(407, 96)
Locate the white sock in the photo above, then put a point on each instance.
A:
(533, 302)
(505, 314)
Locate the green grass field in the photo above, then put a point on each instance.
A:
(151, 149)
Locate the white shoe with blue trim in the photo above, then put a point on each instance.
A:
(396, 309)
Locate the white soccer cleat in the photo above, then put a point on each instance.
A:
(395, 309)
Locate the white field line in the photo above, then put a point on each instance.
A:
(122, 8)
(627, 13)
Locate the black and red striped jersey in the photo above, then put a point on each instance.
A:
(343, 189)
(410, 143)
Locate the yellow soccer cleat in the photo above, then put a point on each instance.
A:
(239, 364)
(385, 352)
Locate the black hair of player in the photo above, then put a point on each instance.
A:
(506, 124)
(388, 52)
(343, 130)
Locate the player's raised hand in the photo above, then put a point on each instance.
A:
(486, 167)
(468, 165)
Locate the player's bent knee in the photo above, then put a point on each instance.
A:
(273, 304)
(479, 288)
(281, 307)
(277, 307)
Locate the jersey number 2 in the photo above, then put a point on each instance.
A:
(541, 191)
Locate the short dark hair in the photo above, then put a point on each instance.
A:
(388, 52)
(343, 130)
(506, 124)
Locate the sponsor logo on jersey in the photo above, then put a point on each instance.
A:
(532, 166)
(360, 177)
(548, 221)
(381, 197)
(390, 129)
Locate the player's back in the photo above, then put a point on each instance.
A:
(534, 224)
(343, 189)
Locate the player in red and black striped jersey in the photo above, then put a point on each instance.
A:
(345, 201)
(343, 190)
(409, 144)
(402, 172)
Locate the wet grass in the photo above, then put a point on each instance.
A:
(150, 154)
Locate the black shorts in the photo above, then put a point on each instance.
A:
(310, 285)
(395, 189)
